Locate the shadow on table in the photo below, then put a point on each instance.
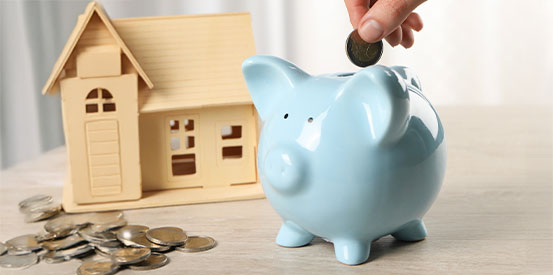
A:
(379, 248)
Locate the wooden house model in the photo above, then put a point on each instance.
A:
(156, 111)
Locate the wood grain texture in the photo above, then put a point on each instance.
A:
(493, 215)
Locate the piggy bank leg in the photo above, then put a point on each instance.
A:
(412, 231)
(292, 235)
(352, 252)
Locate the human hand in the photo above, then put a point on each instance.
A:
(393, 20)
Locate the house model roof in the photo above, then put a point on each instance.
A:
(185, 61)
(93, 10)
(192, 60)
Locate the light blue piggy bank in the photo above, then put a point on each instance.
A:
(350, 157)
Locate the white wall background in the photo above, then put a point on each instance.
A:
(488, 52)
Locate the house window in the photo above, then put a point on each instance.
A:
(184, 164)
(231, 132)
(99, 100)
(232, 152)
(189, 125)
(174, 126)
(231, 142)
(181, 131)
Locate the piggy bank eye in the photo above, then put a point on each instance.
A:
(286, 116)
(310, 120)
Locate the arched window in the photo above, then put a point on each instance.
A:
(99, 100)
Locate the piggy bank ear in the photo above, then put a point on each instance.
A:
(408, 75)
(270, 79)
(381, 97)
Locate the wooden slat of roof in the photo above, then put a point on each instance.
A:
(193, 61)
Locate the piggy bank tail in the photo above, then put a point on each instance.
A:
(408, 75)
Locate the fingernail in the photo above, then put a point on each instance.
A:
(371, 31)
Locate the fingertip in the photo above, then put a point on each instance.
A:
(414, 21)
(408, 39)
(371, 30)
(395, 37)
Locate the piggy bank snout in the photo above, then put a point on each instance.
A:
(284, 169)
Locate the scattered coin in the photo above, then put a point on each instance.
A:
(34, 200)
(45, 236)
(22, 245)
(41, 206)
(108, 226)
(97, 268)
(18, 261)
(41, 253)
(67, 254)
(103, 217)
(128, 229)
(42, 212)
(3, 248)
(135, 236)
(105, 251)
(60, 225)
(139, 239)
(155, 260)
(50, 258)
(38, 206)
(361, 53)
(197, 244)
(102, 221)
(103, 238)
(172, 236)
(110, 244)
(65, 243)
(105, 234)
(48, 236)
(125, 233)
(130, 255)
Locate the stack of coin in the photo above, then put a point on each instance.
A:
(135, 236)
(39, 207)
(106, 234)
(19, 252)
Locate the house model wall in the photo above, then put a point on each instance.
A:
(156, 111)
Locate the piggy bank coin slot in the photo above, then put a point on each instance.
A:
(345, 74)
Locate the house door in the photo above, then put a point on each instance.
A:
(103, 144)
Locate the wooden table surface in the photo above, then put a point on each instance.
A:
(493, 215)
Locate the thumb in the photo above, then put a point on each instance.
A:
(384, 17)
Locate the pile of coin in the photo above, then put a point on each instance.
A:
(361, 53)
(39, 207)
(103, 241)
